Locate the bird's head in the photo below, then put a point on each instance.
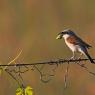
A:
(64, 33)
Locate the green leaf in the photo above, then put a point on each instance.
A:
(28, 90)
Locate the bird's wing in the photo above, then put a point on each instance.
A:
(84, 43)
(77, 41)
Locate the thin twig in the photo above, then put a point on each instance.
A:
(66, 76)
(13, 77)
(83, 66)
(12, 61)
(42, 75)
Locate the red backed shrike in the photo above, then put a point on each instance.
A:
(75, 43)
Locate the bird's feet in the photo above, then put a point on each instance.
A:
(72, 58)
(79, 58)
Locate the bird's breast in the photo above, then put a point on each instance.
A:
(71, 46)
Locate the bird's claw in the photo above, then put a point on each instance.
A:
(72, 58)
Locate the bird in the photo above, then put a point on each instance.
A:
(75, 43)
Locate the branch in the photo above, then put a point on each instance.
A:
(60, 61)
(44, 77)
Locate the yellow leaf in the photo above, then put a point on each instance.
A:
(28, 90)
(19, 91)
(1, 70)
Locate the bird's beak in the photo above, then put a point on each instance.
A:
(59, 37)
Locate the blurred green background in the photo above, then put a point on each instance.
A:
(32, 25)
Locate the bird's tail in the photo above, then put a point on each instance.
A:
(89, 57)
